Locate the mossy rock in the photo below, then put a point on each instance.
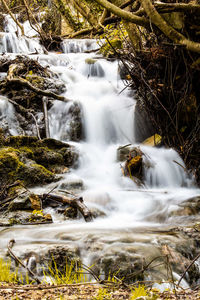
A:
(71, 213)
(22, 202)
(21, 140)
(12, 168)
(90, 61)
(34, 173)
(47, 157)
(9, 160)
(53, 144)
(70, 157)
(34, 161)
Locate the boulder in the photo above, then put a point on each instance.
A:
(190, 207)
(70, 213)
(72, 184)
(133, 165)
(22, 202)
(34, 161)
(153, 141)
(75, 131)
(59, 256)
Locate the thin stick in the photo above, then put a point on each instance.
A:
(48, 287)
(193, 261)
(46, 119)
(9, 246)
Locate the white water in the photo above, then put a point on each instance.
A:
(11, 41)
(108, 119)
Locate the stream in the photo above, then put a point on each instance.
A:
(132, 221)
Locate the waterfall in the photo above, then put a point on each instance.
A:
(103, 110)
(11, 41)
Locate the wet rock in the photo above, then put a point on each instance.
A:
(189, 207)
(76, 132)
(133, 166)
(33, 161)
(14, 167)
(32, 173)
(70, 157)
(122, 265)
(70, 213)
(72, 184)
(123, 71)
(55, 86)
(46, 157)
(38, 216)
(143, 126)
(153, 141)
(58, 257)
(35, 202)
(93, 68)
(97, 213)
(22, 202)
(123, 152)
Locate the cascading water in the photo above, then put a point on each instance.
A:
(107, 115)
(11, 41)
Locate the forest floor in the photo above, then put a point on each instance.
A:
(89, 292)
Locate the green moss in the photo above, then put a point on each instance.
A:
(46, 157)
(52, 144)
(35, 80)
(28, 152)
(9, 159)
(21, 140)
(90, 61)
(26, 159)
(34, 174)
(108, 49)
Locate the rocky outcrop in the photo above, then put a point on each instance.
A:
(34, 161)
(133, 162)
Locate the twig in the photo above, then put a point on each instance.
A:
(76, 203)
(41, 287)
(46, 120)
(193, 261)
(25, 83)
(9, 246)
(180, 165)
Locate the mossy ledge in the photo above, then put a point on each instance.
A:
(34, 161)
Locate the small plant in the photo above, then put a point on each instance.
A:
(139, 291)
(103, 294)
(72, 273)
(6, 275)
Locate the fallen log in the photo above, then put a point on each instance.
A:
(74, 202)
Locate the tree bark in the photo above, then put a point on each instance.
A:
(74, 202)
(65, 12)
(13, 17)
(168, 30)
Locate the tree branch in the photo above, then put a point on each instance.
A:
(168, 30)
(128, 16)
(13, 17)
